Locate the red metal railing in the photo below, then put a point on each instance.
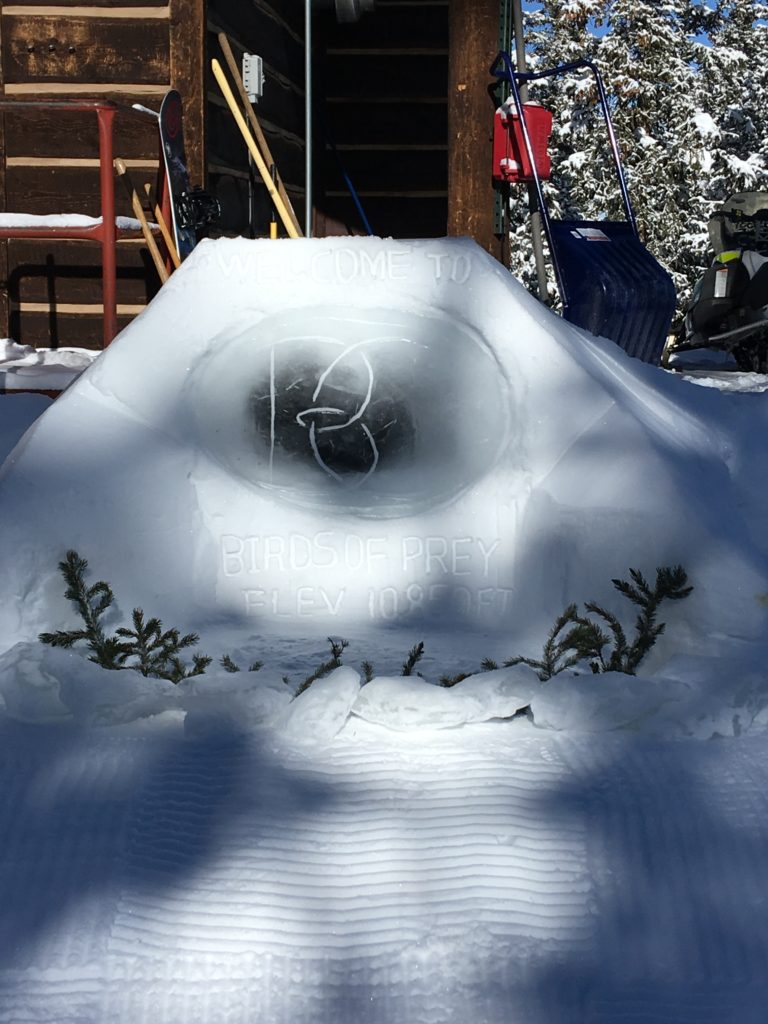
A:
(105, 231)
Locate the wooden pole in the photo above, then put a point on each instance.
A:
(138, 212)
(250, 142)
(170, 245)
(474, 42)
(250, 113)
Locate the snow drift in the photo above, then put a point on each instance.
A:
(339, 432)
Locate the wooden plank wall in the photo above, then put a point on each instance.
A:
(128, 51)
(273, 29)
(385, 83)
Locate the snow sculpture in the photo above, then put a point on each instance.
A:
(351, 431)
(380, 413)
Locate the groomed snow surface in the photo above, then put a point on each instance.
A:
(392, 851)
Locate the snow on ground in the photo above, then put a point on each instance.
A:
(588, 849)
(24, 368)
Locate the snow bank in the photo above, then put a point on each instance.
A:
(354, 433)
(319, 713)
(23, 367)
(697, 698)
(45, 684)
(229, 702)
(41, 684)
(407, 702)
(17, 414)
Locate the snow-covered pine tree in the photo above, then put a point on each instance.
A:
(688, 84)
(648, 60)
(732, 96)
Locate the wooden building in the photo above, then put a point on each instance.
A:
(400, 110)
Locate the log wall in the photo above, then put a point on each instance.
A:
(130, 51)
(274, 30)
(383, 100)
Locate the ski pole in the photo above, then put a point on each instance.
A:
(138, 211)
(282, 209)
(169, 243)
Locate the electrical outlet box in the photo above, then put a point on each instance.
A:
(253, 76)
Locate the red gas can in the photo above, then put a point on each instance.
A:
(510, 160)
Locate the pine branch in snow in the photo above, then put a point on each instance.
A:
(230, 665)
(176, 669)
(415, 655)
(586, 640)
(156, 653)
(337, 649)
(91, 603)
(671, 585)
(145, 648)
(446, 680)
(560, 652)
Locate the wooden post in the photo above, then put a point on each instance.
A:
(474, 42)
(189, 74)
(141, 217)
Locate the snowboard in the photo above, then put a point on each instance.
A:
(172, 142)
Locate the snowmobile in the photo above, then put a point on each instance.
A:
(729, 307)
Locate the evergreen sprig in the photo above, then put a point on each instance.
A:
(671, 585)
(337, 649)
(560, 652)
(611, 650)
(91, 603)
(145, 648)
(156, 653)
(415, 655)
(446, 680)
(229, 665)
(177, 670)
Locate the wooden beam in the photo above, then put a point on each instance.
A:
(63, 161)
(189, 70)
(88, 308)
(84, 50)
(83, 88)
(25, 11)
(474, 42)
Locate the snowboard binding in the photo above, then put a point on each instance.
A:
(197, 208)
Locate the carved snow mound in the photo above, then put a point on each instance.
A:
(337, 434)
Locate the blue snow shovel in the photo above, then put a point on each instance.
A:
(608, 281)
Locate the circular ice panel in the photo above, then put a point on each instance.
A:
(368, 412)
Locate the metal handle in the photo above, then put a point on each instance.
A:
(503, 69)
